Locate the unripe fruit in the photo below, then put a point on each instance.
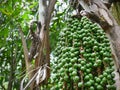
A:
(82, 58)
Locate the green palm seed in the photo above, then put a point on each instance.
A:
(80, 84)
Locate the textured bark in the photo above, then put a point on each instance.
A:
(44, 34)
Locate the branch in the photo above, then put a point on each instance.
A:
(50, 10)
(27, 62)
(47, 44)
(25, 49)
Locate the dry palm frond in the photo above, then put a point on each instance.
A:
(38, 77)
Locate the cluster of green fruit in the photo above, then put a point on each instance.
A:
(82, 58)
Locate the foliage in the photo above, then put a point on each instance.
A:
(13, 14)
(57, 22)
